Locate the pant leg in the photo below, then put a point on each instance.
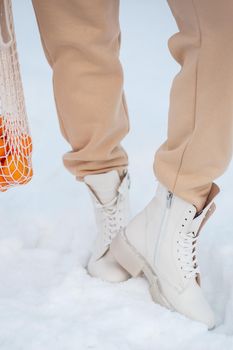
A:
(81, 41)
(198, 148)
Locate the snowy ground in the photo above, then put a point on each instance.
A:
(47, 299)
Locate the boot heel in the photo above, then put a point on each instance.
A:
(126, 256)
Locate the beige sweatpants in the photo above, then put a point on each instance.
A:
(81, 40)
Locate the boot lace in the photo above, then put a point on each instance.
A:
(111, 215)
(187, 244)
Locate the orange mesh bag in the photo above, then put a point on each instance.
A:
(15, 139)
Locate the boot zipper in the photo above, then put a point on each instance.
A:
(169, 199)
(164, 221)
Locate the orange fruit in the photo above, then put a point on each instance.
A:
(28, 178)
(13, 141)
(26, 143)
(14, 168)
(2, 148)
(3, 182)
(19, 145)
(12, 147)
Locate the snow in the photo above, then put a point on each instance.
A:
(47, 299)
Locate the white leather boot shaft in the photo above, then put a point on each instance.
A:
(161, 242)
(110, 197)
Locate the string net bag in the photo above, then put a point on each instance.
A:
(15, 138)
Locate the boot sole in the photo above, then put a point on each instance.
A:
(133, 262)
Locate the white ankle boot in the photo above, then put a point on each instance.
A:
(161, 242)
(110, 197)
